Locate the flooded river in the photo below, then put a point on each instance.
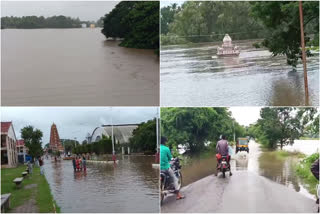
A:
(70, 67)
(130, 186)
(192, 75)
(258, 161)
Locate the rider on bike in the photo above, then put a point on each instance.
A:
(222, 149)
(165, 157)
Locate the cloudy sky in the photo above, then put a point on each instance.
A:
(73, 122)
(85, 10)
(245, 115)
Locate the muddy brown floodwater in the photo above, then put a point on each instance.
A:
(70, 67)
(258, 161)
(130, 186)
(192, 75)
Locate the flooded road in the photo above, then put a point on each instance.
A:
(264, 181)
(131, 186)
(71, 67)
(192, 75)
(258, 161)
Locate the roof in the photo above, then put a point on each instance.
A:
(20, 142)
(5, 126)
(122, 133)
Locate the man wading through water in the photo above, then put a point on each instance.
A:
(165, 157)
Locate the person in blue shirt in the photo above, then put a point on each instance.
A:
(165, 157)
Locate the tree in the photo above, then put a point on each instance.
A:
(281, 18)
(137, 22)
(144, 137)
(32, 138)
(194, 127)
(167, 17)
(278, 127)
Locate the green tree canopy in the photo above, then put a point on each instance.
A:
(32, 138)
(194, 127)
(137, 22)
(281, 18)
(144, 137)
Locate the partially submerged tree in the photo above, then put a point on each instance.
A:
(281, 18)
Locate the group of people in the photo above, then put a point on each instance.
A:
(79, 163)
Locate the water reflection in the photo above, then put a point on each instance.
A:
(130, 186)
(253, 78)
(260, 161)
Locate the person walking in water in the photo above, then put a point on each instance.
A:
(74, 163)
(77, 163)
(84, 163)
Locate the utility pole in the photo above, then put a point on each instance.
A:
(112, 138)
(234, 132)
(157, 130)
(304, 56)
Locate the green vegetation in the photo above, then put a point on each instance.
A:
(69, 145)
(32, 22)
(208, 21)
(281, 18)
(197, 128)
(275, 21)
(32, 138)
(304, 172)
(284, 154)
(41, 193)
(137, 22)
(281, 126)
(103, 146)
(145, 137)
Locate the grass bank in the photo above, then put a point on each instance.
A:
(303, 171)
(284, 154)
(40, 190)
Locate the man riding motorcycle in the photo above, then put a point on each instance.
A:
(222, 149)
(165, 157)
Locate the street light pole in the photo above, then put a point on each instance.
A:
(234, 132)
(304, 56)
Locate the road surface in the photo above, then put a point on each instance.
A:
(242, 192)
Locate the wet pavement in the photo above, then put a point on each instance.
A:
(192, 75)
(130, 186)
(264, 180)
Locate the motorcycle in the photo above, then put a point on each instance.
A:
(223, 166)
(167, 182)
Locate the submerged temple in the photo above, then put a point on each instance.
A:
(228, 49)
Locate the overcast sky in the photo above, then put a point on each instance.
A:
(85, 10)
(245, 115)
(73, 122)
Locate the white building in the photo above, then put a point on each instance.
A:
(84, 25)
(122, 133)
(9, 154)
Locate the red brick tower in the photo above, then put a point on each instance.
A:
(55, 143)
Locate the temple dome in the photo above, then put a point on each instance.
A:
(227, 39)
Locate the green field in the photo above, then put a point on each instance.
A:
(40, 192)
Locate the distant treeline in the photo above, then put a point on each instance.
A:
(33, 22)
(136, 22)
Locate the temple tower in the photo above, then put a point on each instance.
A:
(55, 143)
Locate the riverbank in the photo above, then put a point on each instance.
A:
(34, 194)
(304, 172)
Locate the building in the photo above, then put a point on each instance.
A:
(22, 151)
(9, 155)
(122, 133)
(84, 25)
(92, 25)
(55, 143)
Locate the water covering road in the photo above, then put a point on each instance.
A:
(72, 67)
(260, 183)
(131, 186)
(192, 75)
